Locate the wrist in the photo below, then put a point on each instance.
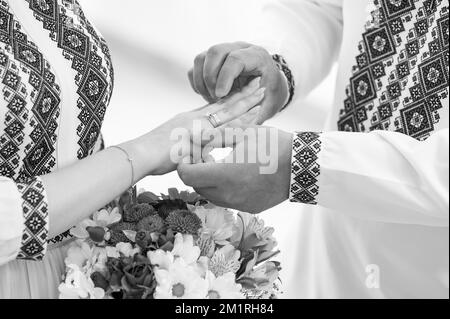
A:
(288, 81)
(142, 153)
(285, 154)
(284, 89)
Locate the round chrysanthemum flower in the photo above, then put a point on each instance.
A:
(218, 222)
(184, 248)
(180, 281)
(224, 287)
(185, 222)
(166, 206)
(153, 223)
(225, 260)
(117, 236)
(123, 226)
(137, 212)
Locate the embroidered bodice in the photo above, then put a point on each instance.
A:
(56, 81)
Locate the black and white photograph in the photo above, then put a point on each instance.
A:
(249, 151)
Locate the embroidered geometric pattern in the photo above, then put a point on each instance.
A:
(23, 156)
(35, 212)
(28, 140)
(283, 66)
(90, 58)
(30, 111)
(304, 188)
(400, 80)
(60, 238)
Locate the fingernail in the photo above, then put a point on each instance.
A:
(260, 91)
(256, 82)
(220, 93)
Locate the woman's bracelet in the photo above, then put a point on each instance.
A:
(129, 159)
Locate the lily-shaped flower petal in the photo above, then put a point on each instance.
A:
(184, 248)
(217, 222)
(160, 258)
(225, 260)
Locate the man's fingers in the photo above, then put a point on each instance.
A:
(197, 76)
(203, 174)
(215, 57)
(237, 62)
(237, 105)
(248, 90)
(191, 80)
(268, 108)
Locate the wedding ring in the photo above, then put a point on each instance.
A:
(214, 119)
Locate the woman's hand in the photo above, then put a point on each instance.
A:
(152, 151)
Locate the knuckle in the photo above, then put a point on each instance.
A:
(260, 50)
(262, 55)
(199, 58)
(234, 57)
(215, 50)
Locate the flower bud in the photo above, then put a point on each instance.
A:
(100, 280)
(143, 239)
(97, 234)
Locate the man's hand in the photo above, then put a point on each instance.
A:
(230, 66)
(253, 178)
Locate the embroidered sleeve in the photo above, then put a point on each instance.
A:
(305, 171)
(284, 68)
(36, 220)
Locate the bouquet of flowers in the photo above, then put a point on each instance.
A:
(176, 246)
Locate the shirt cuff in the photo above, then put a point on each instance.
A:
(36, 220)
(305, 169)
(286, 71)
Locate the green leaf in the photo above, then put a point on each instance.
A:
(173, 193)
(147, 198)
(247, 283)
(266, 256)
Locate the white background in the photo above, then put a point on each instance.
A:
(153, 44)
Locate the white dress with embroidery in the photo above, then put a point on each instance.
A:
(56, 81)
